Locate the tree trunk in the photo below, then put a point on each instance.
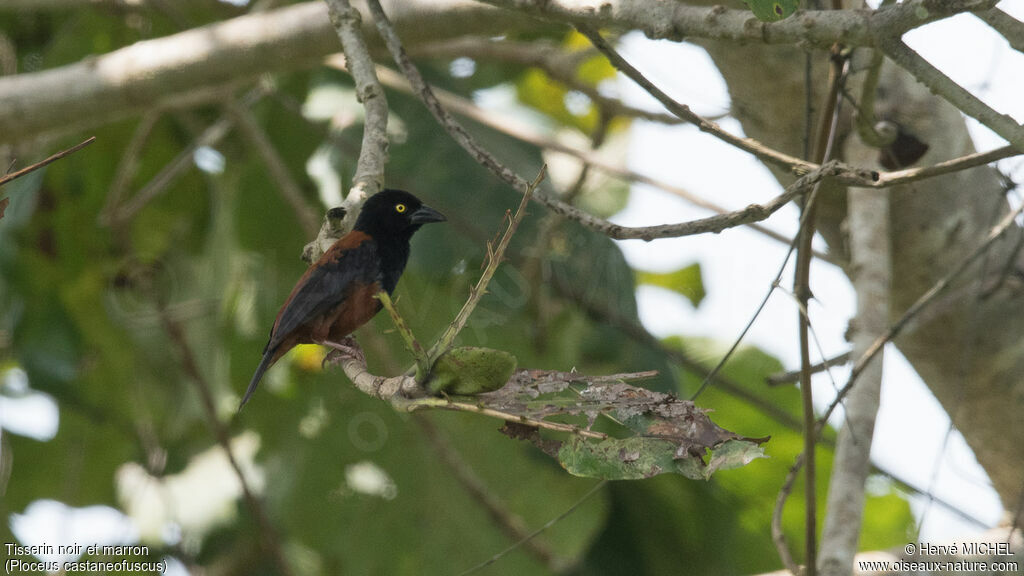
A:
(966, 347)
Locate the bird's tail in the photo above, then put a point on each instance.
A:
(268, 359)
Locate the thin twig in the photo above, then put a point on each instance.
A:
(778, 535)
(486, 159)
(32, 168)
(170, 172)
(828, 124)
(411, 344)
(508, 521)
(791, 164)
(637, 332)
(276, 166)
(887, 179)
(920, 304)
(597, 487)
(495, 256)
(867, 125)
(944, 86)
(213, 134)
(128, 165)
(457, 406)
(492, 119)
(794, 375)
(268, 535)
(549, 57)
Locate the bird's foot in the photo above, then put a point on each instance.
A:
(348, 347)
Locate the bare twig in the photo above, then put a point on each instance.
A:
(871, 264)
(597, 487)
(920, 304)
(508, 521)
(494, 257)
(494, 120)
(828, 128)
(268, 535)
(213, 134)
(637, 332)
(32, 168)
(887, 179)
(778, 535)
(559, 65)
(411, 344)
(289, 188)
(457, 406)
(867, 126)
(126, 168)
(794, 375)
(792, 164)
(944, 86)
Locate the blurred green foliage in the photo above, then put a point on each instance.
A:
(81, 306)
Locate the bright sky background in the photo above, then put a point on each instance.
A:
(738, 265)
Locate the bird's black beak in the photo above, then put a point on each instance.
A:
(425, 214)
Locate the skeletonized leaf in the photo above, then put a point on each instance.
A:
(661, 433)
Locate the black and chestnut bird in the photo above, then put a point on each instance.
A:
(336, 294)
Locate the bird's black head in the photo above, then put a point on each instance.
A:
(395, 213)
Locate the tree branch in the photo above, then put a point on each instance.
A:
(508, 521)
(791, 164)
(887, 179)
(1010, 28)
(269, 538)
(1008, 221)
(676, 21)
(559, 65)
(871, 269)
(198, 65)
(494, 257)
(753, 213)
(944, 86)
(373, 154)
(496, 121)
(286, 184)
(53, 158)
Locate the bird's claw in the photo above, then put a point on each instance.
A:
(347, 348)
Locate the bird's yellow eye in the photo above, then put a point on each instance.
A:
(399, 208)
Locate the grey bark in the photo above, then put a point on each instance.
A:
(967, 347)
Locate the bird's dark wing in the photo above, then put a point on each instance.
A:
(352, 261)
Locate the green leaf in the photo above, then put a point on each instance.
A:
(772, 10)
(733, 454)
(686, 281)
(624, 459)
(471, 370)
(639, 457)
